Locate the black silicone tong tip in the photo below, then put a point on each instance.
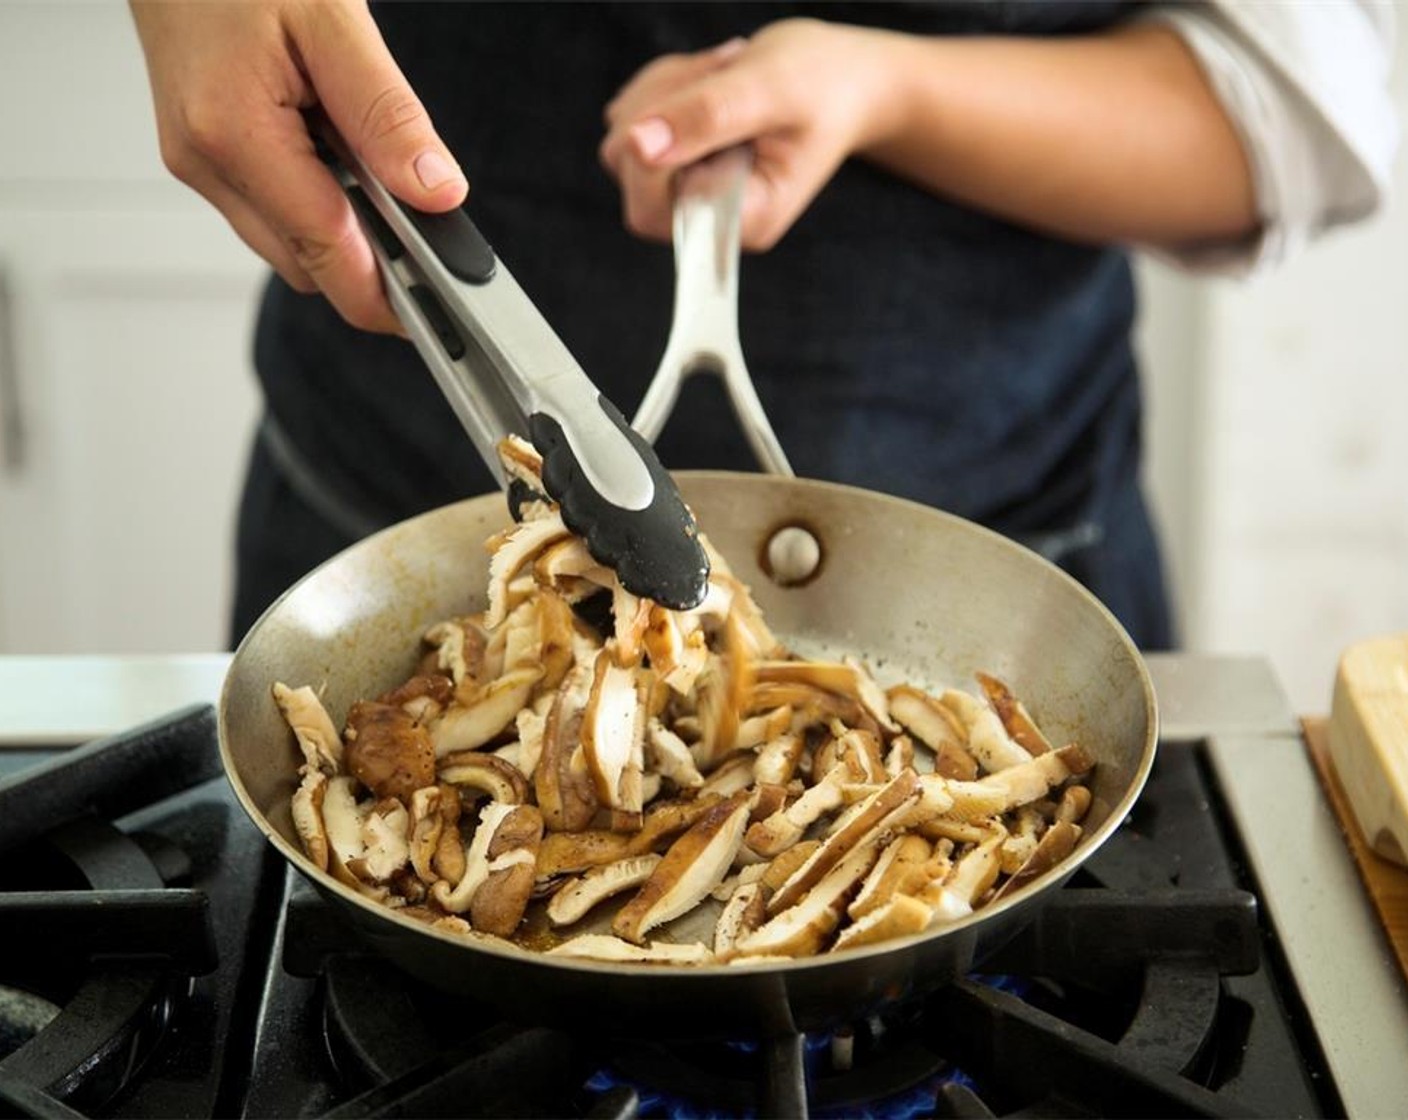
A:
(655, 551)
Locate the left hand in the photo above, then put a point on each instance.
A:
(804, 94)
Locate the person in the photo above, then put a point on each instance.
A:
(941, 206)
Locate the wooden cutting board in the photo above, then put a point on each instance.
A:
(1361, 755)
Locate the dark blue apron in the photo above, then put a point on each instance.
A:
(899, 342)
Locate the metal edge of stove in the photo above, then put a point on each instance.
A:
(1333, 943)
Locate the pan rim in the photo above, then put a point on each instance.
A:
(506, 950)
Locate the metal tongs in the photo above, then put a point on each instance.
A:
(505, 371)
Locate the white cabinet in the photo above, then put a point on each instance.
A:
(126, 393)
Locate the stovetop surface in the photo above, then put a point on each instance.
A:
(222, 1008)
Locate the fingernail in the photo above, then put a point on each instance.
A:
(434, 170)
(652, 137)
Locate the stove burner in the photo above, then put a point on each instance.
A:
(103, 949)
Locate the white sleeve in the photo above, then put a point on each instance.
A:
(1306, 86)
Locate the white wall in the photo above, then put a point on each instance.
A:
(1279, 460)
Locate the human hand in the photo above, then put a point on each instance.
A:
(230, 81)
(803, 93)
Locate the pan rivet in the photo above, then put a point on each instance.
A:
(793, 555)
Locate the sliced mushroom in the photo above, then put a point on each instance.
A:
(723, 690)
(900, 756)
(312, 727)
(498, 905)
(971, 875)
(745, 910)
(902, 916)
(522, 461)
(613, 734)
(487, 773)
(458, 648)
(423, 697)
(804, 928)
(1021, 840)
(631, 616)
(385, 842)
(484, 714)
(782, 867)
(576, 897)
(734, 776)
(1056, 844)
(668, 755)
(783, 829)
(764, 728)
(571, 571)
(457, 899)
(449, 859)
(778, 758)
(1074, 804)
(988, 740)
(859, 749)
(427, 823)
(901, 869)
(576, 851)
(602, 947)
(937, 728)
(388, 751)
(564, 788)
(675, 644)
(761, 642)
(1014, 715)
(511, 551)
(694, 865)
(307, 809)
(844, 678)
(876, 814)
(1017, 785)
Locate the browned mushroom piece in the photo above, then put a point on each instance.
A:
(785, 827)
(312, 727)
(804, 928)
(1022, 839)
(307, 809)
(447, 862)
(858, 749)
(874, 816)
(848, 679)
(522, 461)
(388, 751)
(458, 646)
(971, 875)
(427, 823)
(899, 756)
(902, 916)
(422, 697)
(456, 898)
(778, 758)
(1017, 785)
(568, 569)
(723, 691)
(669, 756)
(734, 776)
(499, 903)
(485, 773)
(937, 728)
(1074, 804)
(579, 895)
(603, 947)
(694, 865)
(988, 740)
(755, 731)
(745, 910)
(900, 869)
(562, 783)
(676, 646)
(385, 842)
(1014, 715)
(760, 640)
(613, 733)
(1056, 844)
(513, 549)
(481, 715)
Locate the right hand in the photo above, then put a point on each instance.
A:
(230, 81)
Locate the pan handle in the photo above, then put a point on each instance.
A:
(704, 331)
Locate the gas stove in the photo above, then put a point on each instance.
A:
(1215, 957)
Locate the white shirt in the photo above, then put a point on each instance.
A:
(1305, 83)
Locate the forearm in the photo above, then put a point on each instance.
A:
(1107, 137)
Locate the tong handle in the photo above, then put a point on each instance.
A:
(504, 370)
(704, 331)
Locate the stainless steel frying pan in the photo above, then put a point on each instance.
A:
(922, 596)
